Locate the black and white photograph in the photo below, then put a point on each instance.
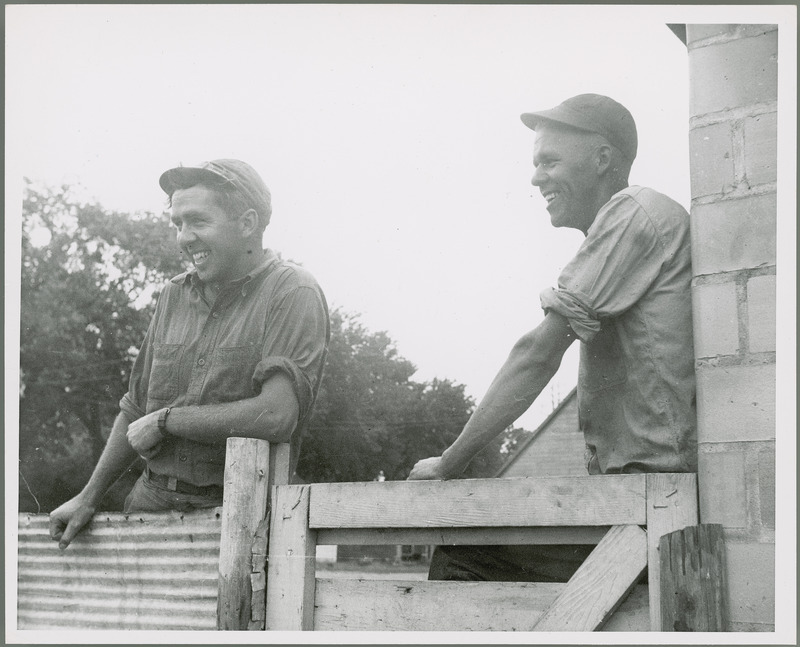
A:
(400, 323)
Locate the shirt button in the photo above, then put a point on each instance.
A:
(215, 315)
(182, 458)
(201, 361)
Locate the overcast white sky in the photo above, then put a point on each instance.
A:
(389, 136)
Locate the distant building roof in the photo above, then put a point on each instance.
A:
(548, 422)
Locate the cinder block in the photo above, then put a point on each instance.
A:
(711, 155)
(695, 33)
(761, 148)
(735, 403)
(716, 322)
(766, 487)
(761, 306)
(721, 484)
(701, 32)
(734, 234)
(751, 582)
(733, 74)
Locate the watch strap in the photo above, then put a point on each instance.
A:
(162, 422)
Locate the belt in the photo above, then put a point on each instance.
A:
(181, 487)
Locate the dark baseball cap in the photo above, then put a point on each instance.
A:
(594, 113)
(222, 172)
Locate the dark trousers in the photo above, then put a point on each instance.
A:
(540, 563)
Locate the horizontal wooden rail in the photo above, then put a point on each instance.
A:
(372, 605)
(523, 502)
(357, 605)
(467, 536)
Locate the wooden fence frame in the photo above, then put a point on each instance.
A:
(252, 470)
(625, 515)
(267, 576)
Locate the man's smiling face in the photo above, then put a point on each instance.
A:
(208, 236)
(567, 175)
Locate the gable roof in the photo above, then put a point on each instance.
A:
(539, 430)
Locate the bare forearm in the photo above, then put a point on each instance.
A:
(271, 416)
(531, 364)
(117, 456)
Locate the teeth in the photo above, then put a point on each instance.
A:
(199, 257)
(549, 197)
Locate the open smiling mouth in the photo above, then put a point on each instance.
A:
(198, 258)
(550, 196)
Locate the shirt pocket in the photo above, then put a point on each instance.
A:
(164, 372)
(232, 370)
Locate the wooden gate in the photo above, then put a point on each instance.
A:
(624, 515)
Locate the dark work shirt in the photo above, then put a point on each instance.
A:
(274, 320)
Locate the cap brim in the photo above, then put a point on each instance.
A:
(556, 116)
(183, 177)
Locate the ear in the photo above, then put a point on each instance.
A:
(248, 223)
(603, 157)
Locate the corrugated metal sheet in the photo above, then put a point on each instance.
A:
(147, 571)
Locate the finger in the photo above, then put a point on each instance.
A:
(56, 528)
(72, 529)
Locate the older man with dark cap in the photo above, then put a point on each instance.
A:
(626, 296)
(236, 347)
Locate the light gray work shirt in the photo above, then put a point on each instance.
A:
(627, 296)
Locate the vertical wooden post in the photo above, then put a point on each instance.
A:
(693, 582)
(249, 471)
(671, 505)
(291, 572)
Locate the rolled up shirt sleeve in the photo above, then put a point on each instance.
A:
(617, 262)
(296, 344)
(134, 403)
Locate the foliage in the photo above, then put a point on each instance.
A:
(87, 293)
(370, 415)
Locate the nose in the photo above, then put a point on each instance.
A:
(538, 176)
(185, 236)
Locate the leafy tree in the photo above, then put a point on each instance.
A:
(87, 295)
(370, 416)
(89, 279)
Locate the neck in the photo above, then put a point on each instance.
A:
(605, 194)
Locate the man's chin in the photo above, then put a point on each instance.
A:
(558, 220)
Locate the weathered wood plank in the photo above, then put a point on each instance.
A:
(244, 507)
(471, 536)
(399, 605)
(556, 501)
(291, 567)
(600, 584)
(693, 582)
(633, 614)
(280, 462)
(671, 505)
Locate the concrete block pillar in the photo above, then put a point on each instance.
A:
(733, 147)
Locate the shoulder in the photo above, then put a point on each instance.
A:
(644, 209)
(649, 202)
(288, 275)
(286, 279)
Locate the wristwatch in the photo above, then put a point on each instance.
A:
(162, 422)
